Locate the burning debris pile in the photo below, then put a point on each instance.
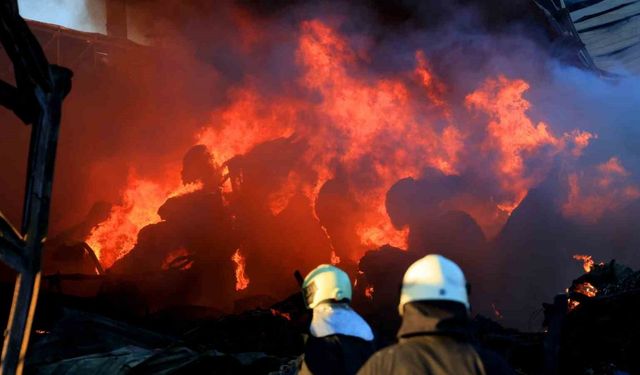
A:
(595, 336)
(356, 141)
(593, 327)
(319, 137)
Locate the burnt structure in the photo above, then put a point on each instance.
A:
(36, 99)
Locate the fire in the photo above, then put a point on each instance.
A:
(334, 258)
(572, 304)
(587, 289)
(368, 292)
(116, 236)
(511, 133)
(606, 187)
(587, 261)
(242, 281)
(276, 312)
(376, 129)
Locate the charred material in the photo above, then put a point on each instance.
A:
(37, 100)
(600, 331)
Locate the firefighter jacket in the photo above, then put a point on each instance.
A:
(340, 341)
(435, 339)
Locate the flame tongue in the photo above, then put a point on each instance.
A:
(587, 261)
(375, 129)
(116, 236)
(368, 292)
(586, 289)
(242, 281)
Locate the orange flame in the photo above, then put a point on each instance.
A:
(586, 289)
(587, 261)
(511, 133)
(374, 121)
(242, 281)
(117, 235)
(605, 188)
(334, 258)
(368, 292)
(279, 313)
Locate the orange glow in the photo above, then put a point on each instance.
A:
(587, 261)
(242, 281)
(607, 187)
(381, 128)
(368, 292)
(435, 89)
(511, 133)
(276, 312)
(581, 140)
(587, 289)
(116, 236)
(186, 189)
(334, 258)
(572, 304)
(181, 252)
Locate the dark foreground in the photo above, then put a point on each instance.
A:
(592, 329)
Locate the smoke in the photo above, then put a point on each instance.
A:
(443, 127)
(83, 15)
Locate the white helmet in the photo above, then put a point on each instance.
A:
(326, 282)
(433, 277)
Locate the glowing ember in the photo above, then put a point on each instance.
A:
(496, 311)
(368, 292)
(173, 256)
(334, 258)
(572, 304)
(587, 261)
(586, 289)
(275, 312)
(242, 281)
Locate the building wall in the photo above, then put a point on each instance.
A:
(82, 15)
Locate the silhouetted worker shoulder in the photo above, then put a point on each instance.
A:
(340, 341)
(435, 336)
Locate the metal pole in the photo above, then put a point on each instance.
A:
(37, 99)
(42, 153)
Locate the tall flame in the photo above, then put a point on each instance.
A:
(378, 128)
(118, 234)
(242, 281)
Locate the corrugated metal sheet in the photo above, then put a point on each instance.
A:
(610, 31)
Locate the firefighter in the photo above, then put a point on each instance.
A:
(340, 340)
(434, 337)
